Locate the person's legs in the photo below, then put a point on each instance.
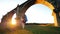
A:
(23, 21)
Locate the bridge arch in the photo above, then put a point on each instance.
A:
(32, 2)
(21, 9)
(51, 6)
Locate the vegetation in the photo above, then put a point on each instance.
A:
(32, 29)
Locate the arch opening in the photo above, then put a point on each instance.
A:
(39, 13)
(13, 19)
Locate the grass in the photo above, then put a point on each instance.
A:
(33, 29)
(43, 29)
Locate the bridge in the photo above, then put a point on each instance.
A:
(21, 9)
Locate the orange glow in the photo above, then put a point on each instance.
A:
(45, 3)
(39, 1)
(55, 19)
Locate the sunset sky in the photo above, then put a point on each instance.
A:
(37, 13)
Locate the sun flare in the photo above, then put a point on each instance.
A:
(13, 19)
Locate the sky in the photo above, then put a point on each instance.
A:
(37, 13)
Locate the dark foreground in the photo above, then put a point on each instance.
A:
(32, 29)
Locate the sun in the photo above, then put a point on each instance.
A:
(13, 19)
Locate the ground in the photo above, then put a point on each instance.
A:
(33, 29)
